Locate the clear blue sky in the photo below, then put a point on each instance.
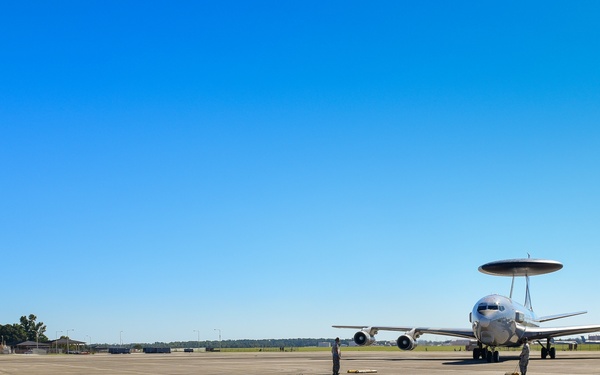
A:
(271, 168)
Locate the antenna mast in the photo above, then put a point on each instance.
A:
(512, 286)
(527, 294)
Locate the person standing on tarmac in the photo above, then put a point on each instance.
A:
(336, 354)
(524, 357)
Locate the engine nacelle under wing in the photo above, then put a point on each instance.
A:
(406, 342)
(362, 338)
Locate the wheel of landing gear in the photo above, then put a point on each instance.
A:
(544, 353)
(488, 356)
(496, 356)
(552, 353)
(476, 353)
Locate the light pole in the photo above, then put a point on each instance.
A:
(197, 330)
(120, 339)
(217, 329)
(68, 339)
(56, 342)
(89, 346)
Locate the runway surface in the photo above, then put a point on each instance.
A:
(295, 363)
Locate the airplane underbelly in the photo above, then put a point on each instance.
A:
(498, 332)
(487, 338)
(495, 338)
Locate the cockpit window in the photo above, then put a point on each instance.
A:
(493, 307)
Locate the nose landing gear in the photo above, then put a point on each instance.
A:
(489, 354)
(492, 355)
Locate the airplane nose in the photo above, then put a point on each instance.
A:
(483, 322)
(486, 337)
(492, 331)
(481, 327)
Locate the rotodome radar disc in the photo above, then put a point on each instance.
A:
(521, 267)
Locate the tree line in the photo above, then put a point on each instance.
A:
(241, 344)
(28, 329)
(233, 344)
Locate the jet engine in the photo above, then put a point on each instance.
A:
(406, 342)
(362, 338)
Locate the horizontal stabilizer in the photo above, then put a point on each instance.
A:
(560, 316)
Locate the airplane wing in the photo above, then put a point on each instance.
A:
(537, 333)
(418, 331)
(560, 316)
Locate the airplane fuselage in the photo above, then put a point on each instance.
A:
(499, 321)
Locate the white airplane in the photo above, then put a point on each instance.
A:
(586, 341)
(581, 340)
(495, 320)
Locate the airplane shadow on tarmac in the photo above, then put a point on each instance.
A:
(466, 361)
(515, 359)
(444, 361)
(437, 359)
(470, 361)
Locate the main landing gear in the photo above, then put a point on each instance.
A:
(548, 350)
(490, 355)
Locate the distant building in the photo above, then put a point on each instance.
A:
(462, 342)
(324, 344)
(32, 347)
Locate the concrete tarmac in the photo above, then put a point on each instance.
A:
(295, 363)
